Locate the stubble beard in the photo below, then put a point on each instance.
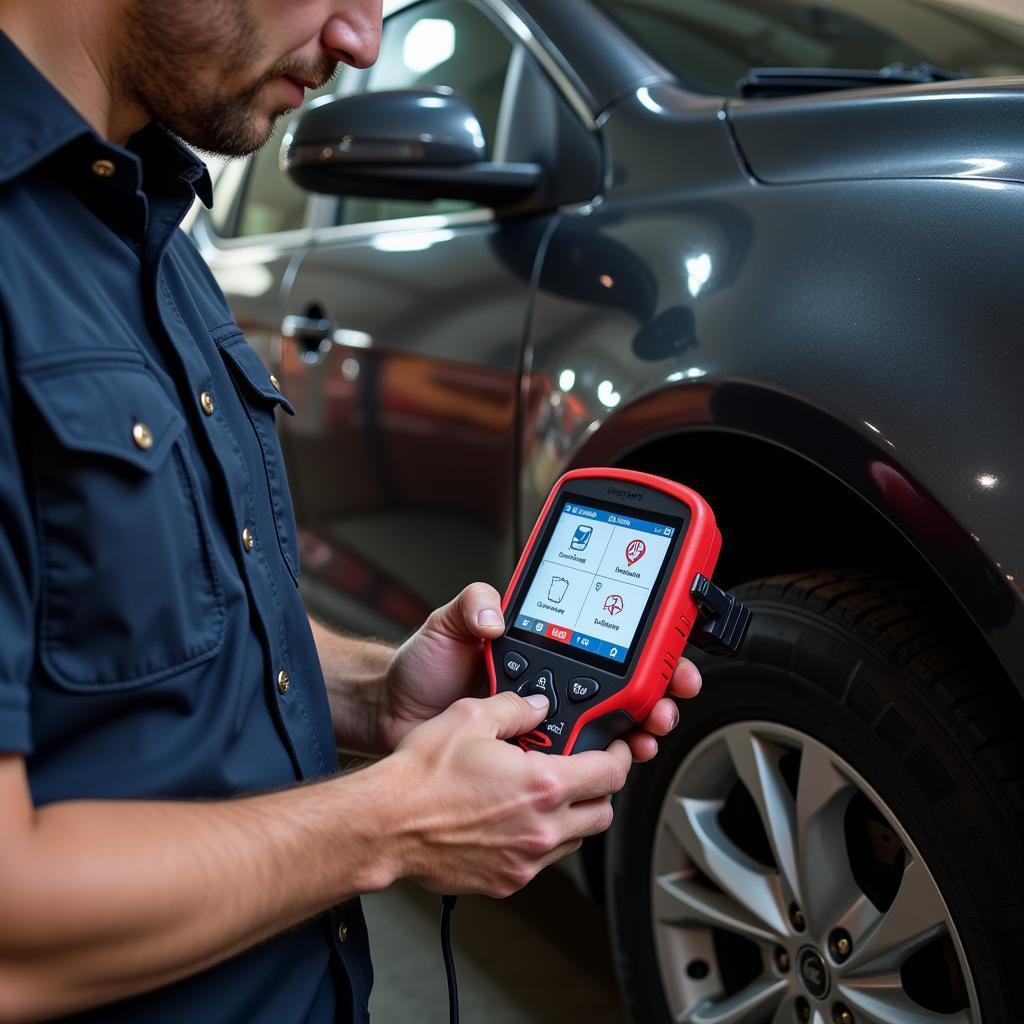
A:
(167, 41)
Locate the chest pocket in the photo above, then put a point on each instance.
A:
(261, 396)
(130, 593)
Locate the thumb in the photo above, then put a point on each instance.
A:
(475, 614)
(512, 715)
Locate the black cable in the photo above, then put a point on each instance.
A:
(447, 904)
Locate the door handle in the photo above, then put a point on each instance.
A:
(315, 336)
(309, 332)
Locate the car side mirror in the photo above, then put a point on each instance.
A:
(404, 144)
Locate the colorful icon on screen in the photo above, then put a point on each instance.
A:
(581, 538)
(613, 604)
(635, 550)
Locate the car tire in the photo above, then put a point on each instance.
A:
(855, 724)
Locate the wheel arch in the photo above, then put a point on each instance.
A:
(795, 488)
(765, 537)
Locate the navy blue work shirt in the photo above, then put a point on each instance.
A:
(153, 643)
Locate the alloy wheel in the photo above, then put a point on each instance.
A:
(785, 890)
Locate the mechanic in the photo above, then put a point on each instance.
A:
(174, 836)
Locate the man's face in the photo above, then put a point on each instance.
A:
(218, 73)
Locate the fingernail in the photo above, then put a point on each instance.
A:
(537, 700)
(489, 617)
(675, 718)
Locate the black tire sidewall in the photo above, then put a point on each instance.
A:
(962, 839)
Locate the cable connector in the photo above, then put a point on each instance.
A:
(723, 620)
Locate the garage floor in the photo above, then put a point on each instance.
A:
(541, 956)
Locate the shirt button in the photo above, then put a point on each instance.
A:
(342, 933)
(248, 539)
(283, 682)
(103, 168)
(206, 401)
(142, 436)
(275, 383)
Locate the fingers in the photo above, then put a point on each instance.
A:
(479, 606)
(685, 680)
(664, 717)
(594, 773)
(643, 746)
(502, 716)
(475, 614)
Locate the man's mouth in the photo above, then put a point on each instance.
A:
(297, 87)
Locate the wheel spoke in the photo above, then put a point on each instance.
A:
(757, 765)
(823, 865)
(785, 1013)
(754, 1002)
(694, 823)
(880, 999)
(679, 899)
(916, 917)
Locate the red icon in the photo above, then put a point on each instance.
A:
(560, 633)
(613, 604)
(635, 550)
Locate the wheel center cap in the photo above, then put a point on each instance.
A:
(813, 972)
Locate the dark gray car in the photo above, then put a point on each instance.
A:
(554, 233)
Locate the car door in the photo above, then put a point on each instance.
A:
(402, 349)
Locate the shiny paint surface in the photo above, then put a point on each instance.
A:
(402, 447)
(833, 279)
(870, 326)
(949, 129)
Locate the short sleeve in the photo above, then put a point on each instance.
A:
(18, 576)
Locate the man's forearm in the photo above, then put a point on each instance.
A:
(354, 671)
(102, 900)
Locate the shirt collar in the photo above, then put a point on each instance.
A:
(38, 122)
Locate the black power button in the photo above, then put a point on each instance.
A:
(515, 664)
(542, 682)
(582, 688)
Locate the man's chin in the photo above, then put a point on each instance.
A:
(235, 138)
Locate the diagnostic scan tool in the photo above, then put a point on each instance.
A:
(615, 579)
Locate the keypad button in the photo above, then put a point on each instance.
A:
(515, 664)
(582, 688)
(542, 682)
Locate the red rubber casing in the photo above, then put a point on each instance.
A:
(673, 619)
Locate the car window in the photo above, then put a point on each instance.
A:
(270, 200)
(438, 43)
(712, 43)
(254, 196)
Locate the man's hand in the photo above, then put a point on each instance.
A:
(443, 661)
(477, 815)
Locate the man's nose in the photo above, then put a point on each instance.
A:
(352, 35)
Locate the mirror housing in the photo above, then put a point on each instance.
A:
(403, 144)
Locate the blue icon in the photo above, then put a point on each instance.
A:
(581, 538)
(538, 627)
(525, 622)
(669, 530)
(598, 585)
